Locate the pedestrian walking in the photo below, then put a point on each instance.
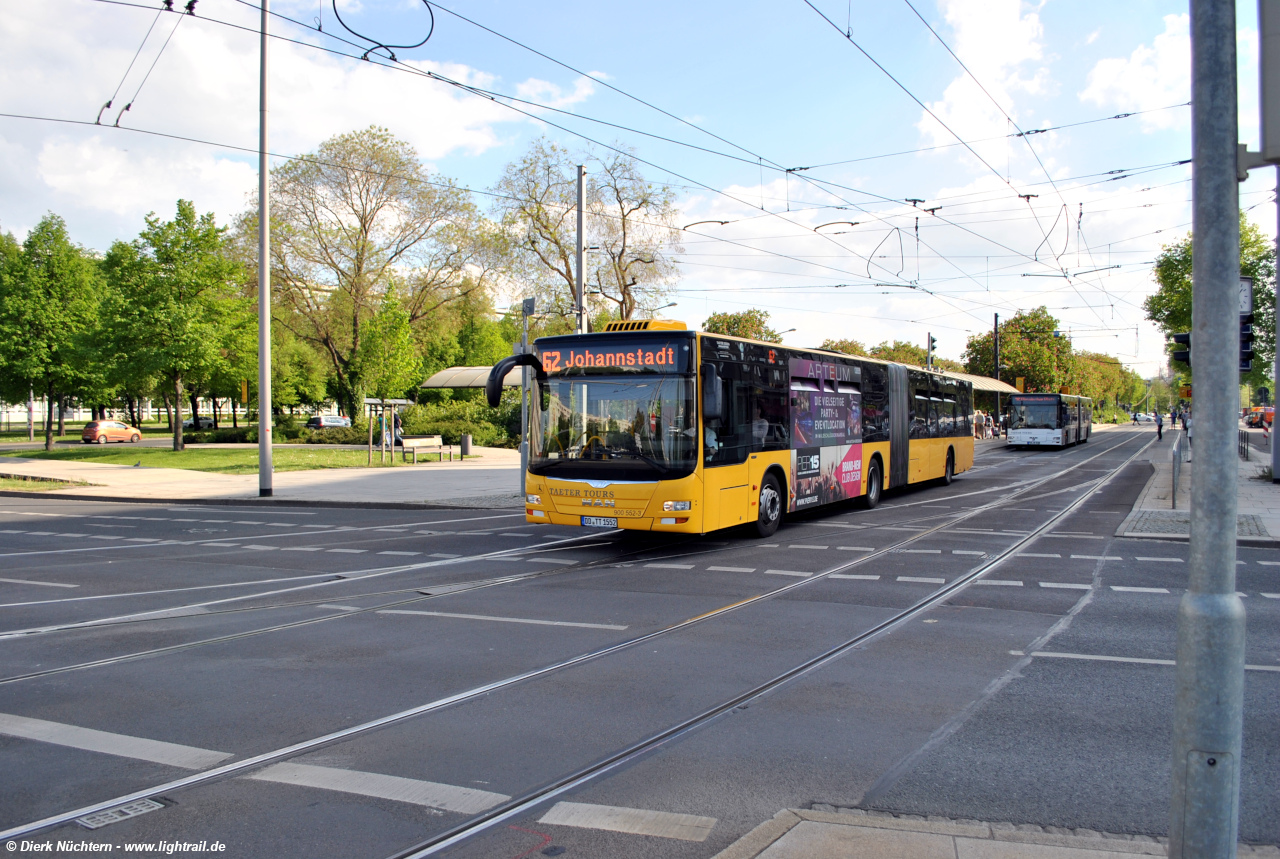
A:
(1186, 418)
(1159, 425)
(1135, 418)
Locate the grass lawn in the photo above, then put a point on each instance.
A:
(20, 485)
(220, 460)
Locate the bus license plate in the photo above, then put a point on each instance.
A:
(599, 522)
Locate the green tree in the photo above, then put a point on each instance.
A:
(752, 324)
(1031, 346)
(48, 298)
(845, 347)
(174, 296)
(387, 363)
(1169, 307)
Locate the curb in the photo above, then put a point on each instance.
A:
(249, 500)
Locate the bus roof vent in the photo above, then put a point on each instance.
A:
(646, 325)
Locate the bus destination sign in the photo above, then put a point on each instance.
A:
(626, 356)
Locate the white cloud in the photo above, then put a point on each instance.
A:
(1152, 76)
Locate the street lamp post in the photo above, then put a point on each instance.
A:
(264, 275)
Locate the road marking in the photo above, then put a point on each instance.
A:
(1132, 590)
(265, 548)
(1174, 560)
(41, 533)
(787, 573)
(1097, 558)
(1065, 585)
(635, 821)
(246, 522)
(72, 535)
(1074, 536)
(43, 584)
(966, 552)
(504, 619)
(400, 553)
(671, 566)
(295, 548)
(1270, 563)
(922, 579)
(464, 800)
(806, 546)
(1092, 657)
(348, 551)
(223, 545)
(141, 539)
(1038, 555)
(11, 531)
(1021, 509)
(864, 578)
(855, 548)
(921, 551)
(443, 555)
(340, 607)
(121, 745)
(732, 569)
(1008, 582)
(544, 560)
(1272, 596)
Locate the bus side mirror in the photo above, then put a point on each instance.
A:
(493, 385)
(712, 394)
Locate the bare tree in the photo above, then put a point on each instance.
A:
(630, 226)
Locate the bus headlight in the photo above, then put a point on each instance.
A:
(533, 499)
(676, 505)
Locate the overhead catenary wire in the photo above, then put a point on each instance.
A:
(190, 10)
(136, 54)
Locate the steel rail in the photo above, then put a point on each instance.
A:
(237, 767)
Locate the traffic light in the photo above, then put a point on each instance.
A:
(1183, 355)
(932, 345)
(1246, 342)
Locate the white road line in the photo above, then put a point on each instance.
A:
(41, 533)
(855, 548)
(1021, 509)
(1270, 563)
(543, 560)
(1097, 557)
(732, 569)
(921, 551)
(1092, 657)
(1132, 590)
(222, 545)
(806, 546)
(928, 580)
(671, 566)
(443, 555)
(42, 584)
(72, 535)
(11, 531)
(787, 573)
(1065, 586)
(297, 548)
(1038, 555)
(504, 619)
(399, 553)
(257, 548)
(348, 551)
(340, 607)
(635, 821)
(1272, 596)
(1174, 560)
(1007, 582)
(107, 537)
(142, 539)
(1074, 536)
(122, 745)
(464, 800)
(864, 578)
(966, 552)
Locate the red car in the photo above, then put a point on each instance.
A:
(105, 431)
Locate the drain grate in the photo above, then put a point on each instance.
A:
(115, 815)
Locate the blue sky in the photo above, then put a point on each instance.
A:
(774, 80)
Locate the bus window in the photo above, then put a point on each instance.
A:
(875, 403)
(730, 439)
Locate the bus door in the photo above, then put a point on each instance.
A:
(899, 407)
(726, 443)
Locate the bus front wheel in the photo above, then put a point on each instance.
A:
(875, 483)
(950, 473)
(770, 516)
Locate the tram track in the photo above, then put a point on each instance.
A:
(619, 758)
(201, 609)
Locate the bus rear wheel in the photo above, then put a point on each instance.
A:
(875, 483)
(950, 473)
(770, 514)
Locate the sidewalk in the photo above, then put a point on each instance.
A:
(853, 832)
(489, 480)
(1155, 514)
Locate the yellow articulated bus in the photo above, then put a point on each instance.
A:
(652, 427)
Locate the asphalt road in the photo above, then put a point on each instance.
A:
(404, 674)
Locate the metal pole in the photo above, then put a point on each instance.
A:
(264, 277)
(996, 330)
(526, 307)
(1269, 97)
(1208, 708)
(579, 291)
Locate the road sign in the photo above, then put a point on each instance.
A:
(1021, 384)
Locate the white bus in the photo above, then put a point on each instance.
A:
(1049, 420)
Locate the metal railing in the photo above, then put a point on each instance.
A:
(1242, 444)
(1176, 458)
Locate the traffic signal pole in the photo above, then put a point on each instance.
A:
(1208, 708)
(265, 466)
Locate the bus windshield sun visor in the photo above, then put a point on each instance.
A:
(493, 385)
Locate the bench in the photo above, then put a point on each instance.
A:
(419, 442)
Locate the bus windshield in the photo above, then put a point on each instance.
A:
(1043, 415)
(612, 427)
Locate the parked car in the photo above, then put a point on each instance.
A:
(198, 423)
(326, 421)
(1143, 418)
(102, 432)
